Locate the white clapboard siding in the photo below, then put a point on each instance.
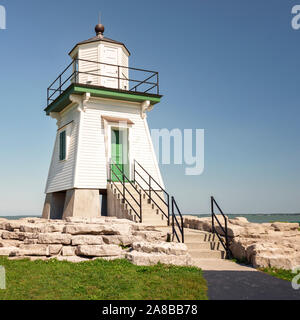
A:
(89, 71)
(61, 173)
(91, 171)
(124, 72)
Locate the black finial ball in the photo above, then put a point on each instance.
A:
(99, 28)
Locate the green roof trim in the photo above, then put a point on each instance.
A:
(63, 100)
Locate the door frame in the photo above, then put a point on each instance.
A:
(108, 127)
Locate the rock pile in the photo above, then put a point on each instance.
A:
(82, 239)
(261, 244)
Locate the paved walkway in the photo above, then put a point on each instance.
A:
(247, 285)
(220, 265)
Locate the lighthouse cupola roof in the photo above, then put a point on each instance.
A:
(99, 29)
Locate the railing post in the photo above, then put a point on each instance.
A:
(123, 178)
(168, 209)
(226, 237)
(173, 227)
(134, 171)
(60, 85)
(182, 231)
(141, 211)
(212, 215)
(150, 188)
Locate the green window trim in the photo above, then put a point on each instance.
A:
(62, 146)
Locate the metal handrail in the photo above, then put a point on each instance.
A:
(151, 190)
(224, 229)
(58, 83)
(174, 219)
(123, 192)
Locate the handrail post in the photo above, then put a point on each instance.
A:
(141, 218)
(168, 196)
(150, 187)
(134, 171)
(182, 231)
(123, 186)
(173, 227)
(226, 237)
(212, 214)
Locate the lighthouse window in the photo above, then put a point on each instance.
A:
(62, 145)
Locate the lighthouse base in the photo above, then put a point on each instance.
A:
(72, 203)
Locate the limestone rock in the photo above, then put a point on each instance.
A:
(33, 228)
(278, 226)
(9, 251)
(54, 249)
(34, 250)
(97, 229)
(169, 248)
(12, 225)
(54, 238)
(54, 227)
(9, 243)
(98, 250)
(120, 240)
(68, 251)
(86, 240)
(74, 259)
(146, 259)
(151, 236)
(13, 235)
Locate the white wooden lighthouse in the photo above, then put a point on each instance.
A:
(102, 139)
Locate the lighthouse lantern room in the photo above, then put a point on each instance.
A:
(103, 149)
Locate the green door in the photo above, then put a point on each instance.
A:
(117, 155)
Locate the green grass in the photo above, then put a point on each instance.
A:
(280, 273)
(99, 280)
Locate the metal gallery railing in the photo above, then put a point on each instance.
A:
(87, 72)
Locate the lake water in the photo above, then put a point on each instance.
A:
(257, 218)
(262, 218)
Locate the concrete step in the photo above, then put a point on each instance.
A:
(206, 254)
(194, 237)
(204, 245)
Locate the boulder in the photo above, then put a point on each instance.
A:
(12, 225)
(33, 228)
(54, 227)
(151, 236)
(9, 251)
(98, 229)
(169, 248)
(98, 250)
(86, 240)
(120, 240)
(54, 249)
(68, 251)
(148, 259)
(73, 259)
(54, 238)
(279, 226)
(34, 250)
(13, 235)
(9, 243)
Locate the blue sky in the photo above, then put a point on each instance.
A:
(230, 67)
